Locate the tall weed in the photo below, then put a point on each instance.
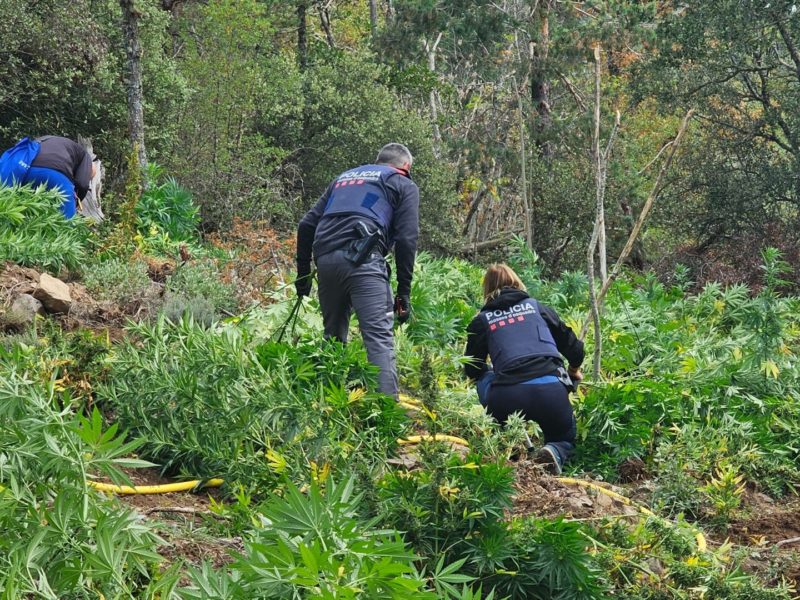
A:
(34, 233)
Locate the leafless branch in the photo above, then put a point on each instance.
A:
(654, 192)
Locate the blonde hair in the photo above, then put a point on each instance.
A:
(497, 277)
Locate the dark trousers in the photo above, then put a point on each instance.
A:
(544, 400)
(365, 289)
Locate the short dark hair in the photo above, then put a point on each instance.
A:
(394, 154)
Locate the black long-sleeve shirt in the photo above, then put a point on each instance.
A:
(478, 343)
(67, 157)
(316, 230)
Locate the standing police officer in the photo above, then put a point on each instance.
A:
(363, 214)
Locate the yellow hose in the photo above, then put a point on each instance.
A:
(182, 486)
(409, 400)
(702, 546)
(439, 437)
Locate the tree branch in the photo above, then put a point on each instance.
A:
(790, 45)
(642, 216)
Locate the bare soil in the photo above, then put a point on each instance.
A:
(539, 494)
(87, 313)
(761, 527)
(182, 519)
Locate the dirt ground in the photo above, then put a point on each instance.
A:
(184, 520)
(768, 529)
(86, 312)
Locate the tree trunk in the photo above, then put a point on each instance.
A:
(430, 49)
(524, 178)
(373, 18)
(642, 216)
(325, 20)
(133, 51)
(302, 40)
(540, 83)
(599, 160)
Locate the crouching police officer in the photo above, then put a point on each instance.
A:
(363, 214)
(525, 341)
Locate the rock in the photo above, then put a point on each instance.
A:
(24, 310)
(656, 566)
(604, 500)
(575, 503)
(763, 498)
(54, 294)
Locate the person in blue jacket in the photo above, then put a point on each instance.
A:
(525, 341)
(64, 165)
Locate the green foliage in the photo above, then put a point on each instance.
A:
(739, 172)
(209, 403)
(446, 501)
(197, 287)
(118, 280)
(167, 208)
(317, 545)
(443, 298)
(552, 562)
(342, 114)
(238, 85)
(61, 540)
(61, 68)
(121, 238)
(654, 561)
(711, 371)
(34, 232)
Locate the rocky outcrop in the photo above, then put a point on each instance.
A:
(23, 310)
(53, 294)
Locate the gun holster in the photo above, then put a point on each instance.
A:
(563, 377)
(362, 247)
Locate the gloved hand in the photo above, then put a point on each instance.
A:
(402, 308)
(303, 282)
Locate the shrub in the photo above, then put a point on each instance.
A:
(60, 540)
(166, 207)
(34, 233)
(208, 403)
(198, 286)
(317, 545)
(118, 280)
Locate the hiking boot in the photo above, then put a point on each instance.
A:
(547, 456)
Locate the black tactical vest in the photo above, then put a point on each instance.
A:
(362, 191)
(518, 332)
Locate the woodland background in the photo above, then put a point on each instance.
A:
(255, 105)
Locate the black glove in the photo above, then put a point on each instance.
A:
(303, 282)
(402, 308)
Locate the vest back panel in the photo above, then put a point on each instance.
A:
(518, 332)
(362, 191)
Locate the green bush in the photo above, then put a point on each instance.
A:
(317, 544)
(198, 286)
(61, 540)
(121, 281)
(167, 208)
(34, 232)
(209, 403)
